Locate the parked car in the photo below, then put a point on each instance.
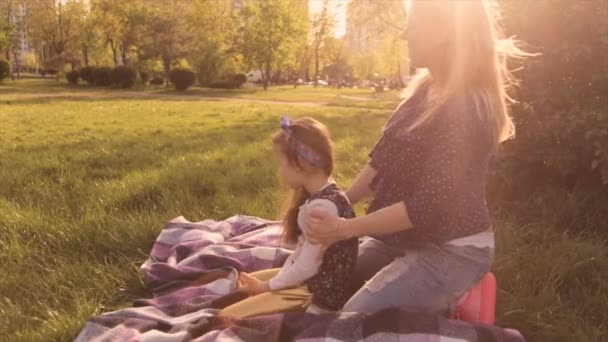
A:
(254, 76)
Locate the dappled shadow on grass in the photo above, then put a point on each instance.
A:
(207, 92)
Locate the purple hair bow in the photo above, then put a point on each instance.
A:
(286, 124)
(304, 151)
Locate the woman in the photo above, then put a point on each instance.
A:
(431, 236)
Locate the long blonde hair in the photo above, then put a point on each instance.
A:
(476, 65)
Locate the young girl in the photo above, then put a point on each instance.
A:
(312, 278)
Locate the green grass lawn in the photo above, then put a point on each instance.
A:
(87, 183)
(47, 89)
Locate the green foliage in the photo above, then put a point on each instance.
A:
(144, 76)
(337, 60)
(5, 69)
(240, 79)
(562, 120)
(167, 37)
(181, 79)
(381, 49)
(157, 79)
(322, 27)
(86, 74)
(270, 33)
(214, 28)
(72, 76)
(210, 65)
(102, 76)
(123, 77)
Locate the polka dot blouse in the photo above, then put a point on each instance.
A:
(437, 170)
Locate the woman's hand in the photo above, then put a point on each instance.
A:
(324, 228)
(251, 285)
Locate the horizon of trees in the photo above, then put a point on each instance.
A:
(215, 38)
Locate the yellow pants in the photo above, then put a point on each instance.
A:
(288, 300)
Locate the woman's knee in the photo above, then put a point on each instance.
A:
(428, 280)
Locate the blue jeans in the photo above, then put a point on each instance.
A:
(430, 279)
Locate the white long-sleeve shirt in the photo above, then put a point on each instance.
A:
(304, 262)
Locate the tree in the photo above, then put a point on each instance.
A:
(561, 117)
(337, 60)
(169, 36)
(111, 17)
(55, 22)
(88, 36)
(374, 35)
(213, 25)
(269, 34)
(322, 28)
(132, 34)
(365, 65)
(6, 28)
(53, 27)
(391, 56)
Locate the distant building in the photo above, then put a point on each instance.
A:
(364, 36)
(360, 34)
(20, 44)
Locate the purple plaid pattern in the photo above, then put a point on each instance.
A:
(182, 308)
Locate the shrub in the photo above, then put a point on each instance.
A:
(102, 76)
(182, 79)
(5, 69)
(123, 77)
(224, 84)
(240, 79)
(157, 80)
(561, 117)
(211, 65)
(72, 76)
(144, 76)
(86, 74)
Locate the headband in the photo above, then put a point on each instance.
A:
(303, 150)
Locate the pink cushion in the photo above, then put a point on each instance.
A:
(479, 306)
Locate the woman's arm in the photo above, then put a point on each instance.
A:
(360, 187)
(384, 221)
(387, 220)
(436, 198)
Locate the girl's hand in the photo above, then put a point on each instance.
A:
(251, 285)
(324, 228)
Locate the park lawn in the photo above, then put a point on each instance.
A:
(344, 97)
(86, 185)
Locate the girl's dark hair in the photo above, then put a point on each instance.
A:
(315, 135)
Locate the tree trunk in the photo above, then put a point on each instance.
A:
(114, 54)
(267, 76)
(85, 54)
(401, 85)
(167, 68)
(123, 54)
(8, 22)
(316, 80)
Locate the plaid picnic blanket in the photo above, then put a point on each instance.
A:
(193, 266)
